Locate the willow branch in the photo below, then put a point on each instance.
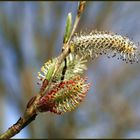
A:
(30, 112)
(66, 47)
(28, 117)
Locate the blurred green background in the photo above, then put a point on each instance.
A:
(32, 32)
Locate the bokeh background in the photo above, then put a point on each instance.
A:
(32, 32)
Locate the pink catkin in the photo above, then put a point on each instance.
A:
(64, 96)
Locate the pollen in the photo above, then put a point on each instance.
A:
(64, 96)
(99, 42)
(75, 65)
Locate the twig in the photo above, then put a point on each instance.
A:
(66, 47)
(30, 112)
(66, 44)
(78, 16)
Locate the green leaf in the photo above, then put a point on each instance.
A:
(68, 28)
(50, 72)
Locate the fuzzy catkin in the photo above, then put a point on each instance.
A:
(75, 65)
(99, 42)
(64, 96)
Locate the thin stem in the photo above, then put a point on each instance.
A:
(30, 112)
(77, 19)
(66, 47)
(29, 115)
(17, 127)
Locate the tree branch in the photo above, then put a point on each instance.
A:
(31, 111)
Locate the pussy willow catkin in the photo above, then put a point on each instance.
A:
(64, 96)
(75, 65)
(100, 42)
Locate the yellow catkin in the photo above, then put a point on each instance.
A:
(99, 42)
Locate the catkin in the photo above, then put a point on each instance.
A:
(75, 66)
(64, 96)
(99, 42)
